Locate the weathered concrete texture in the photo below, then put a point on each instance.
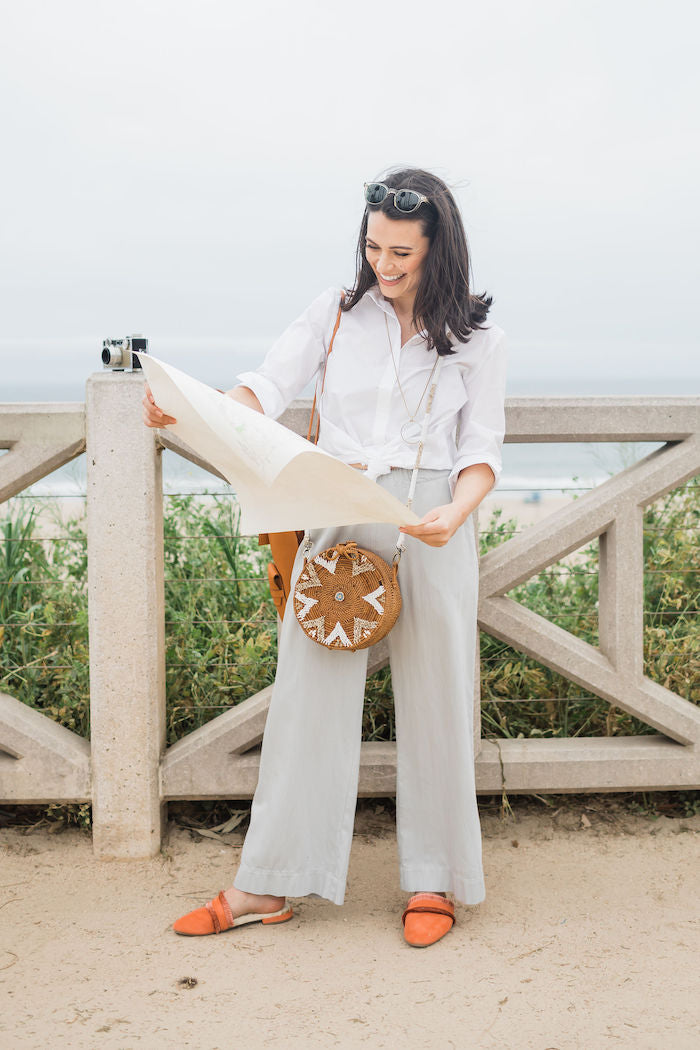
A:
(593, 418)
(40, 761)
(126, 618)
(41, 438)
(560, 765)
(621, 591)
(208, 753)
(557, 765)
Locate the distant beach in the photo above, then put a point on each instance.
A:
(524, 509)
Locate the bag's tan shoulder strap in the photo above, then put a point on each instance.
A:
(323, 381)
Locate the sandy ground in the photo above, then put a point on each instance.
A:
(588, 939)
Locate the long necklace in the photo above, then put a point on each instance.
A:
(411, 430)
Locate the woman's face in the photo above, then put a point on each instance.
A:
(396, 250)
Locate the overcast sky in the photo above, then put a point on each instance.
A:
(194, 170)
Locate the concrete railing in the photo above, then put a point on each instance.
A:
(127, 772)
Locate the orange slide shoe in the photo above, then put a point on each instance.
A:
(216, 917)
(427, 918)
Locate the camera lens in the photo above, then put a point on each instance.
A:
(113, 355)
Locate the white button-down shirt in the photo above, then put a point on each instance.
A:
(362, 410)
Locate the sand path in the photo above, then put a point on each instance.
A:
(588, 939)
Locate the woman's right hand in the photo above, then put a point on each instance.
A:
(152, 415)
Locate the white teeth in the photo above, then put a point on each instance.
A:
(397, 278)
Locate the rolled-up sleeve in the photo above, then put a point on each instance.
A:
(482, 422)
(295, 358)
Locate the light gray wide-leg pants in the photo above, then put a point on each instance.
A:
(303, 810)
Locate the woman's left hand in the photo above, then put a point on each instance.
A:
(438, 526)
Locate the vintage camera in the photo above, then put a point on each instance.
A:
(120, 354)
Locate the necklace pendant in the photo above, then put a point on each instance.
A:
(411, 432)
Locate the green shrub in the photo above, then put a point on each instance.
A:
(221, 635)
(568, 595)
(43, 617)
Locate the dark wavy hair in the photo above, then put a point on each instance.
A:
(443, 300)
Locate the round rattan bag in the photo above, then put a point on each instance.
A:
(347, 597)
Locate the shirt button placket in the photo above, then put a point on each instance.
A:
(385, 390)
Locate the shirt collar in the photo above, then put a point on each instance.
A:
(375, 294)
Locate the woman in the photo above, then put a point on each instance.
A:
(410, 303)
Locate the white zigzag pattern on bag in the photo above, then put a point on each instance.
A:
(364, 565)
(307, 601)
(312, 581)
(317, 628)
(330, 565)
(373, 599)
(363, 629)
(338, 633)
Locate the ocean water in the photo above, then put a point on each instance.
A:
(33, 370)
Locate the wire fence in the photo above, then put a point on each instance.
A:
(172, 581)
(222, 665)
(668, 646)
(185, 622)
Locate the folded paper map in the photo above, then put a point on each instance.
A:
(282, 481)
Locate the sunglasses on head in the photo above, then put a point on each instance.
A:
(404, 200)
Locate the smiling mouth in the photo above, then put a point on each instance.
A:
(390, 280)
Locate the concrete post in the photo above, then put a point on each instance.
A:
(126, 618)
(621, 591)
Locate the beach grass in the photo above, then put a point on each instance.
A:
(221, 629)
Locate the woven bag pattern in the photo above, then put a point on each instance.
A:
(347, 597)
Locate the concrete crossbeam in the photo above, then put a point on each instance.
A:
(584, 664)
(583, 519)
(166, 440)
(646, 763)
(631, 763)
(40, 761)
(40, 439)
